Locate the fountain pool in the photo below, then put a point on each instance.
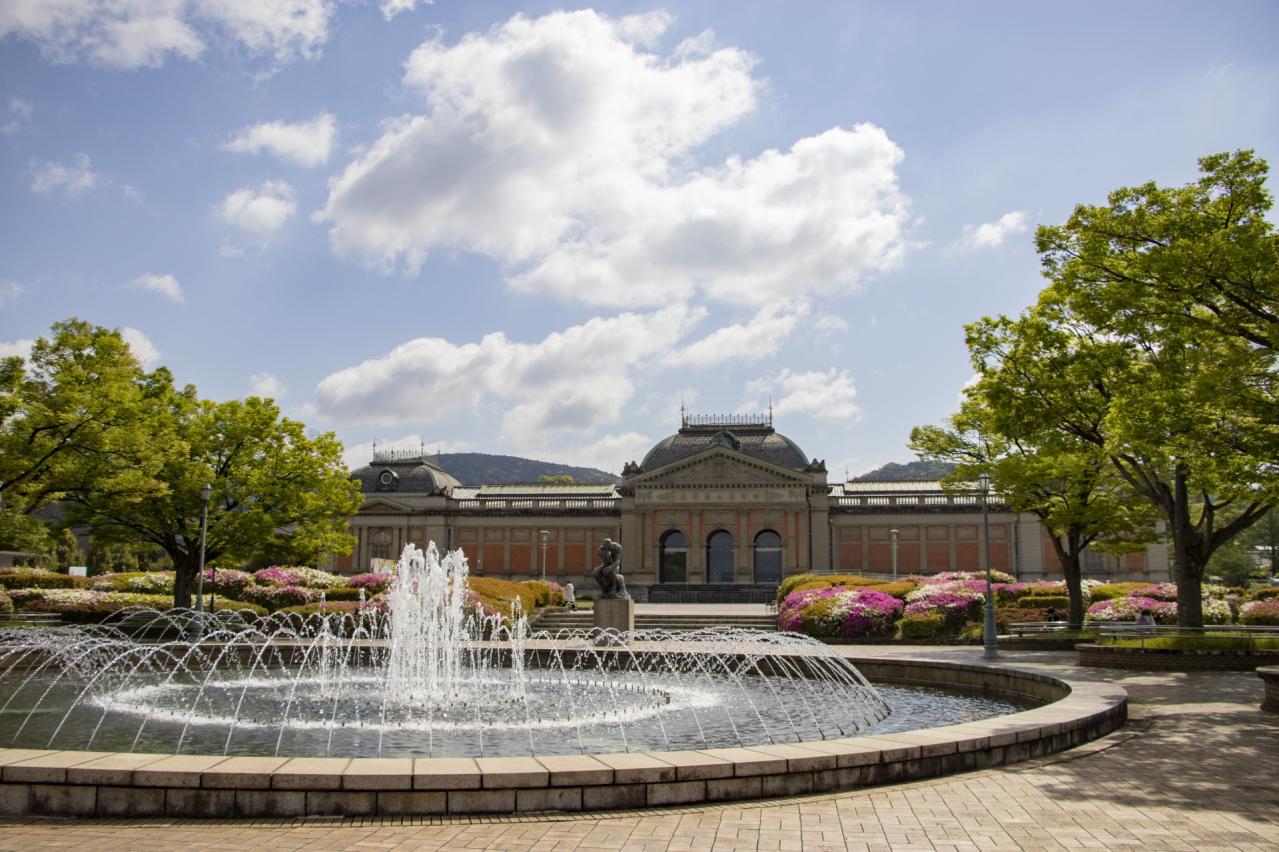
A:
(430, 678)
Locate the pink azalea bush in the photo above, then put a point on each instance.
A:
(1158, 591)
(298, 575)
(949, 576)
(279, 597)
(955, 606)
(373, 583)
(1127, 609)
(1261, 613)
(839, 612)
(228, 582)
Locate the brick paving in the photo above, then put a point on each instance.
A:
(1195, 770)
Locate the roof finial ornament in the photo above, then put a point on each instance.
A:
(683, 418)
(770, 409)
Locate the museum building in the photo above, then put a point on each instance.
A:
(721, 510)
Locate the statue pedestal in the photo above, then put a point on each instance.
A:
(615, 614)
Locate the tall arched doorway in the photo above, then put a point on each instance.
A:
(768, 557)
(673, 559)
(719, 557)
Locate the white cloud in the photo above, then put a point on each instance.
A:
(825, 394)
(19, 115)
(608, 453)
(391, 8)
(145, 33)
(266, 385)
(539, 390)
(166, 285)
(306, 143)
(21, 348)
(259, 211)
(10, 291)
(991, 234)
(740, 342)
(830, 323)
(72, 180)
(358, 455)
(141, 346)
(565, 148)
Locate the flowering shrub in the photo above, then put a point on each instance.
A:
(839, 612)
(84, 604)
(228, 582)
(1127, 609)
(343, 594)
(955, 606)
(1216, 611)
(298, 575)
(142, 582)
(6, 603)
(1158, 591)
(373, 583)
(36, 578)
(1262, 593)
(1262, 612)
(279, 597)
(548, 593)
(950, 576)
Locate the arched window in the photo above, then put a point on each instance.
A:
(719, 557)
(673, 560)
(380, 545)
(768, 557)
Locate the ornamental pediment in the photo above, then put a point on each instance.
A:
(720, 466)
(381, 506)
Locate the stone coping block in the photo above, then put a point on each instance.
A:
(1270, 677)
(70, 783)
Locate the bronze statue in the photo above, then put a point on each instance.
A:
(608, 574)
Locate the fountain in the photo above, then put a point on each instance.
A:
(441, 693)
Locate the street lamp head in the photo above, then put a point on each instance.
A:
(984, 479)
(205, 492)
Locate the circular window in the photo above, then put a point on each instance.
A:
(387, 481)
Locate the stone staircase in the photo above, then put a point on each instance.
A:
(553, 620)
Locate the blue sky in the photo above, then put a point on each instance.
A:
(537, 228)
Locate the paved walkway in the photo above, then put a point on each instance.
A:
(1197, 769)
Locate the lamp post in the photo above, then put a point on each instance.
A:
(989, 651)
(893, 535)
(205, 492)
(545, 535)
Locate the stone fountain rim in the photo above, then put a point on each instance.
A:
(106, 784)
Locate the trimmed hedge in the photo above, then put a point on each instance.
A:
(1262, 593)
(1110, 591)
(37, 578)
(899, 589)
(138, 582)
(925, 626)
(499, 594)
(6, 603)
(1044, 601)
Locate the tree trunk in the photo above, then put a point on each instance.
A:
(1074, 589)
(1187, 560)
(1070, 551)
(184, 579)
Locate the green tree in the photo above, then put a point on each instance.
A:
(77, 414)
(1048, 371)
(1066, 482)
(67, 551)
(270, 481)
(1185, 281)
(556, 479)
